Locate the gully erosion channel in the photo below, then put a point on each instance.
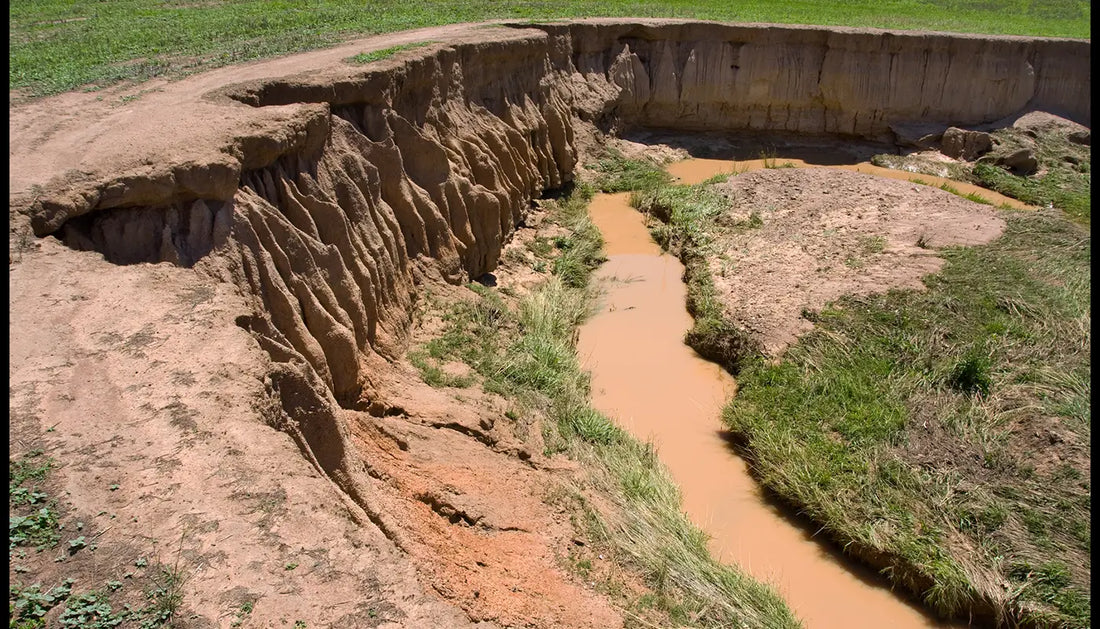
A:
(659, 389)
(231, 263)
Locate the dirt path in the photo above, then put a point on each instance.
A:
(135, 127)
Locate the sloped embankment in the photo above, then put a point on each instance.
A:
(328, 197)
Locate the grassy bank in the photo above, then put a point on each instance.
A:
(950, 427)
(522, 347)
(942, 434)
(58, 45)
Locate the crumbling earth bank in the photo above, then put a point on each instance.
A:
(300, 204)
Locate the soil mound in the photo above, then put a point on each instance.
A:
(821, 234)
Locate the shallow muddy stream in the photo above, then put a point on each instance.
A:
(658, 389)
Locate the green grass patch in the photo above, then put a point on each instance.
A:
(1064, 179)
(890, 421)
(1066, 188)
(32, 513)
(617, 173)
(946, 187)
(386, 53)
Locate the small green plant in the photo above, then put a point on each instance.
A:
(39, 529)
(771, 161)
(242, 612)
(977, 198)
(434, 376)
(540, 246)
(617, 173)
(30, 604)
(165, 596)
(870, 245)
(754, 221)
(90, 610)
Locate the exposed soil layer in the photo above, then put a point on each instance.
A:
(245, 248)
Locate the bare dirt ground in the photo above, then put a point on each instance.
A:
(825, 233)
(152, 402)
(155, 407)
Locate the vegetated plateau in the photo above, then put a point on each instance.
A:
(247, 350)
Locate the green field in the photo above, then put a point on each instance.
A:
(61, 45)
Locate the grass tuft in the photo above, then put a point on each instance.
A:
(617, 173)
(386, 53)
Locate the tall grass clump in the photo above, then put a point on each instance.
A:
(581, 252)
(618, 173)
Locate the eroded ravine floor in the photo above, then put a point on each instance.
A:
(660, 390)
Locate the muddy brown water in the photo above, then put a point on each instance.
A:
(660, 390)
